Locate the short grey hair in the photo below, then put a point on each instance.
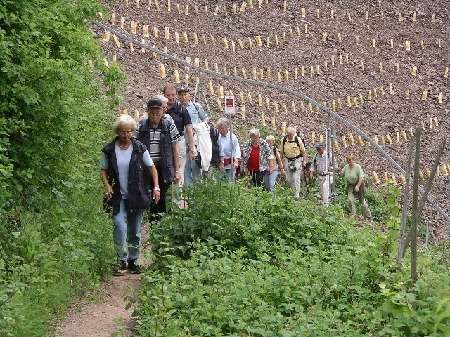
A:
(161, 98)
(290, 129)
(223, 122)
(269, 138)
(124, 120)
(254, 132)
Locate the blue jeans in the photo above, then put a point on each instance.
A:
(122, 232)
(226, 174)
(191, 172)
(269, 180)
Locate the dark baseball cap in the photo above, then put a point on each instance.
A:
(183, 88)
(154, 103)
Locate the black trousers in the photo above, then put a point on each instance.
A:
(160, 207)
(258, 177)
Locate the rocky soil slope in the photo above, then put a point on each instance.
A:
(381, 65)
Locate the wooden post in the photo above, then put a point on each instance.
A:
(402, 235)
(415, 213)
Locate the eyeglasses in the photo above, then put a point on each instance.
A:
(125, 132)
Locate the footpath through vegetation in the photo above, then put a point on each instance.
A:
(236, 262)
(55, 114)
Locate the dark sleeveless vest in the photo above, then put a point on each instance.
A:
(165, 147)
(139, 196)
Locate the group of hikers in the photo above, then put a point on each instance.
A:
(177, 144)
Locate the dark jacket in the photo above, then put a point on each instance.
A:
(139, 196)
(165, 145)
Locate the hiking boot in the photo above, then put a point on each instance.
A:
(121, 268)
(133, 267)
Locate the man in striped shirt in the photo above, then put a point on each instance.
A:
(161, 138)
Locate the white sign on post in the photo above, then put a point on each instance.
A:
(230, 108)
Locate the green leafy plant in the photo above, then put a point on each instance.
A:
(55, 116)
(286, 268)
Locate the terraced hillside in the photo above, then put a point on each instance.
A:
(381, 65)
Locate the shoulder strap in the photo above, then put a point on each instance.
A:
(295, 138)
(195, 106)
(180, 109)
(165, 125)
(141, 148)
(214, 132)
(141, 124)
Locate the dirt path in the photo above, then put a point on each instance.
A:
(101, 319)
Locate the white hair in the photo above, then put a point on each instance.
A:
(290, 129)
(223, 121)
(254, 132)
(161, 98)
(124, 120)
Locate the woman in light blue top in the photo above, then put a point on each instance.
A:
(125, 170)
(229, 149)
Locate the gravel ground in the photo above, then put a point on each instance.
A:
(104, 317)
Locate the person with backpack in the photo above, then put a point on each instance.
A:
(214, 135)
(275, 164)
(161, 138)
(293, 154)
(192, 170)
(322, 167)
(183, 123)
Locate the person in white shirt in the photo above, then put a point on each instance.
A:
(229, 150)
(198, 116)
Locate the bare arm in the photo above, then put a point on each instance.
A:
(280, 163)
(154, 175)
(220, 166)
(176, 161)
(360, 181)
(108, 188)
(190, 134)
(281, 152)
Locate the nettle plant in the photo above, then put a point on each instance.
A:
(241, 262)
(234, 216)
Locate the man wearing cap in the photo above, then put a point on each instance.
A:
(198, 115)
(161, 138)
(293, 154)
(321, 166)
(183, 124)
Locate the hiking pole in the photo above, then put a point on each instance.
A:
(327, 164)
(333, 165)
(206, 101)
(197, 83)
(231, 148)
(199, 89)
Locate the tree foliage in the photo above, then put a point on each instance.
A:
(54, 117)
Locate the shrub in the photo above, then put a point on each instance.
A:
(285, 268)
